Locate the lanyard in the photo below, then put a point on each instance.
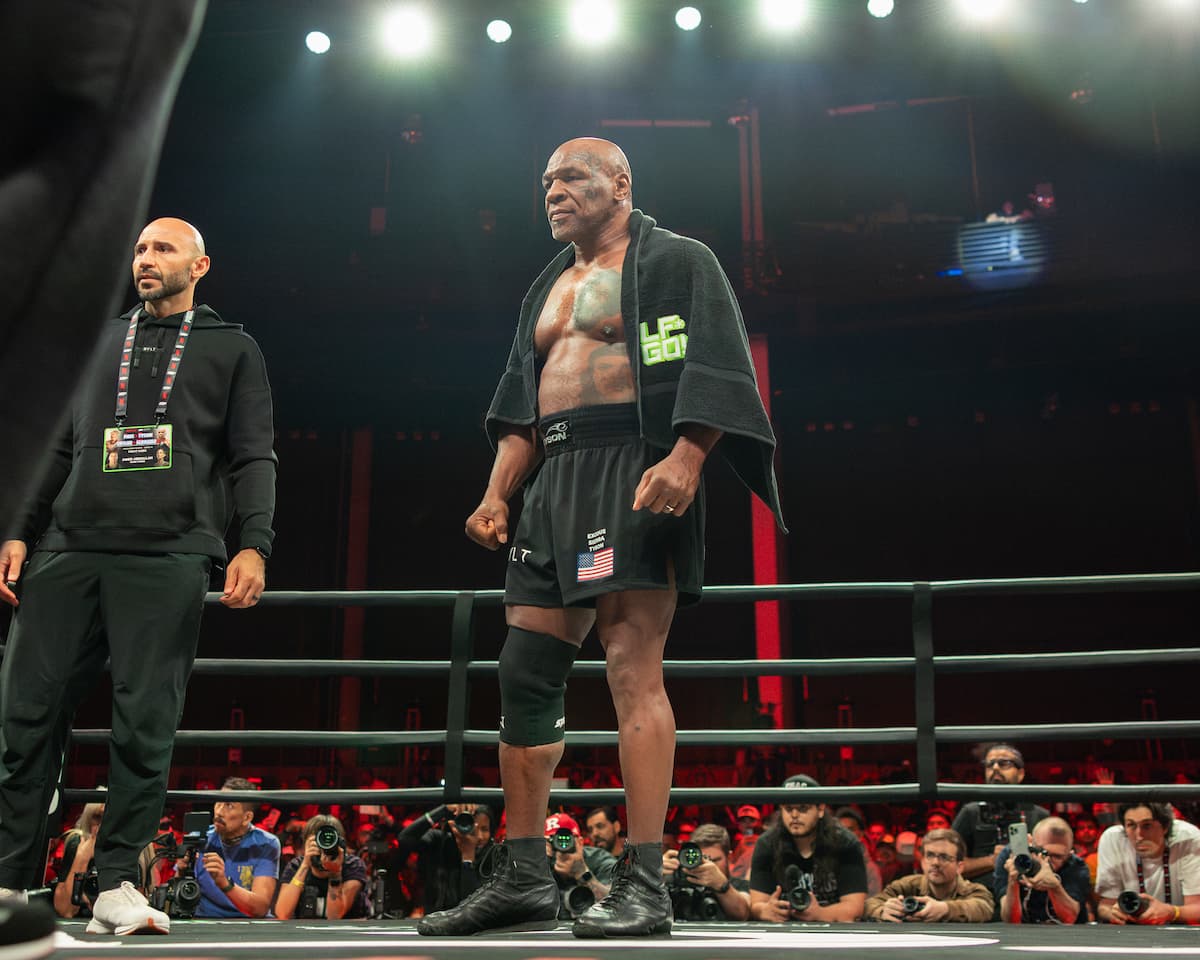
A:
(1166, 875)
(160, 411)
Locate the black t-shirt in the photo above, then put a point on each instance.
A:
(735, 883)
(1036, 904)
(353, 868)
(831, 873)
(445, 878)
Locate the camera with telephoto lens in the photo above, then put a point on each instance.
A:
(464, 822)
(328, 841)
(796, 890)
(1132, 903)
(689, 901)
(690, 855)
(576, 900)
(85, 884)
(1025, 864)
(562, 841)
(180, 895)
(912, 905)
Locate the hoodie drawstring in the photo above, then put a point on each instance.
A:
(157, 354)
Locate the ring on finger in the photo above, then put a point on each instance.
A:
(670, 508)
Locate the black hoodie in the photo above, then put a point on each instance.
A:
(222, 459)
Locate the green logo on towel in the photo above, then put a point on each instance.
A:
(666, 345)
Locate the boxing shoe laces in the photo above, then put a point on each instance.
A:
(637, 905)
(514, 896)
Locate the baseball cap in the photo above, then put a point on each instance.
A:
(561, 821)
(906, 843)
(800, 780)
(749, 811)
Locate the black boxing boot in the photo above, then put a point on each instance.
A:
(637, 904)
(518, 892)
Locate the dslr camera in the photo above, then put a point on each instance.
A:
(912, 905)
(328, 841)
(86, 884)
(180, 895)
(562, 840)
(796, 889)
(688, 901)
(1132, 903)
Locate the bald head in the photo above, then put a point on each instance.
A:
(180, 231)
(1053, 830)
(589, 192)
(168, 261)
(601, 156)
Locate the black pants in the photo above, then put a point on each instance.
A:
(77, 609)
(86, 90)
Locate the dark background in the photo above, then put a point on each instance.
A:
(929, 426)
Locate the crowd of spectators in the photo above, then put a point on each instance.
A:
(802, 860)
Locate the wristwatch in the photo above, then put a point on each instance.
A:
(725, 887)
(228, 888)
(586, 877)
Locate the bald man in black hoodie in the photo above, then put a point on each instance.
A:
(122, 551)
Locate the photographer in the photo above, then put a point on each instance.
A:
(984, 825)
(1052, 886)
(938, 894)
(605, 830)
(707, 879)
(325, 881)
(1148, 867)
(449, 841)
(79, 846)
(576, 865)
(808, 867)
(240, 861)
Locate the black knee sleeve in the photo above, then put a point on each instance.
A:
(533, 681)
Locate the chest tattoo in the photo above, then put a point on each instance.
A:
(597, 307)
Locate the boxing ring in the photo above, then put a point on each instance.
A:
(398, 939)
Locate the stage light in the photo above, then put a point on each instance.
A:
(880, 8)
(782, 14)
(592, 21)
(317, 42)
(981, 11)
(687, 18)
(408, 32)
(499, 31)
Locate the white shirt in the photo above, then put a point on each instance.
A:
(1116, 868)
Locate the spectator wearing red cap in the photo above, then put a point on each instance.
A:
(749, 828)
(579, 865)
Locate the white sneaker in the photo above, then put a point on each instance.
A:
(123, 911)
(8, 893)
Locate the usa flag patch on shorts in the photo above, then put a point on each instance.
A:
(594, 566)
